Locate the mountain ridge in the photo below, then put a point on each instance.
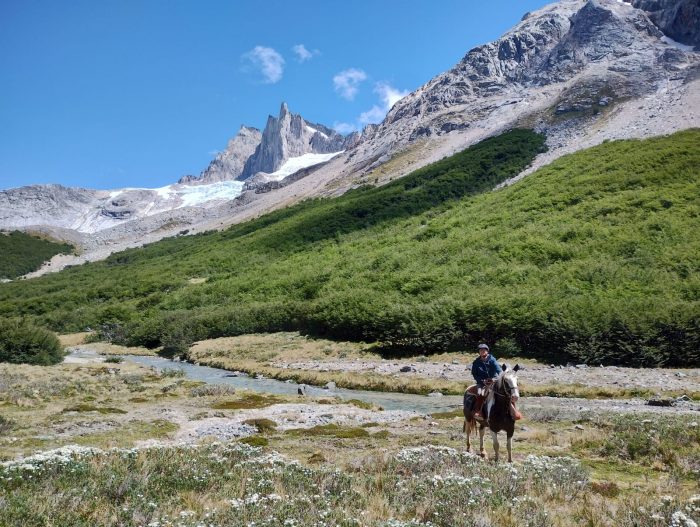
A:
(580, 71)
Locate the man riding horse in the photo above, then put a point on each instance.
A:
(485, 369)
(499, 387)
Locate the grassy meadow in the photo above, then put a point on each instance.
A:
(101, 448)
(593, 258)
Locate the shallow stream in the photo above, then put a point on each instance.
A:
(388, 400)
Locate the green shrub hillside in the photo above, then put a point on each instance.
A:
(21, 253)
(593, 258)
(22, 342)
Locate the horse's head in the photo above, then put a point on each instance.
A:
(509, 381)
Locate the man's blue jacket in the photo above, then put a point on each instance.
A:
(484, 370)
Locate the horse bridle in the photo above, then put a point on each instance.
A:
(506, 388)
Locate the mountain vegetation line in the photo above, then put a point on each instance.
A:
(21, 253)
(591, 258)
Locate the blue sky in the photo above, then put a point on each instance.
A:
(116, 93)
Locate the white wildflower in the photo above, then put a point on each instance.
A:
(679, 519)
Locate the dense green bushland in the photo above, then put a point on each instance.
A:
(21, 253)
(22, 342)
(593, 258)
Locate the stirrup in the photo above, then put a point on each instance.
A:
(479, 417)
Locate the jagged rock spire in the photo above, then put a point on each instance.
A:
(290, 135)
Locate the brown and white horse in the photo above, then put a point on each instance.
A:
(499, 409)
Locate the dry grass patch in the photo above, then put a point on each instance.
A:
(73, 339)
(597, 392)
(105, 348)
(129, 434)
(263, 425)
(84, 407)
(285, 346)
(87, 403)
(448, 415)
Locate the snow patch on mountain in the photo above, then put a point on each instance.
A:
(314, 131)
(193, 196)
(294, 164)
(677, 45)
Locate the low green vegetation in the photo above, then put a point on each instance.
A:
(591, 259)
(571, 466)
(23, 253)
(341, 432)
(670, 444)
(84, 407)
(240, 485)
(263, 425)
(247, 401)
(22, 341)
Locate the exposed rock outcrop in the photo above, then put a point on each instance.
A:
(678, 19)
(289, 135)
(569, 59)
(228, 165)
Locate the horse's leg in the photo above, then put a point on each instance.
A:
(494, 436)
(467, 430)
(482, 451)
(509, 444)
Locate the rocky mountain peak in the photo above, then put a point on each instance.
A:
(228, 164)
(284, 110)
(590, 53)
(290, 135)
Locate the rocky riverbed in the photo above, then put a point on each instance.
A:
(530, 373)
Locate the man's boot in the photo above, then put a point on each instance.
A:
(479, 404)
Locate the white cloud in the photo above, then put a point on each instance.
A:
(267, 61)
(389, 94)
(346, 82)
(372, 116)
(344, 128)
(304, 54)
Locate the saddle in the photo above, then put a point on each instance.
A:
(475, 402)
(470, 399)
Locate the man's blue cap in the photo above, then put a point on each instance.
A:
(483, 347)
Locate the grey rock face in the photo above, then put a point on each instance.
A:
(228, 165)
(678, 19)
(45, 204)
(584, 54)
(289, 135)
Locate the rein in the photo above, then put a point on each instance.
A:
(506, 388)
